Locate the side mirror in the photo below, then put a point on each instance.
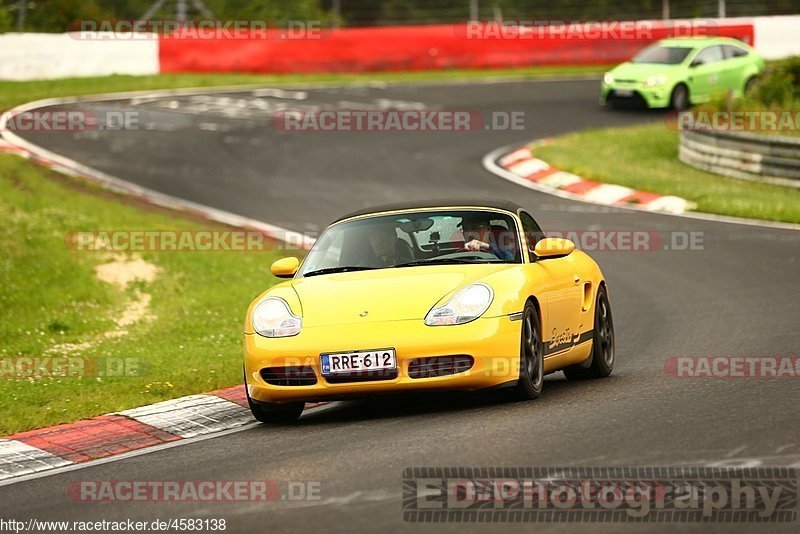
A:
(554, 247)
(695, 63)
(285, 267)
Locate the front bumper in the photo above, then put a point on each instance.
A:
(493, 343)
(635, 94)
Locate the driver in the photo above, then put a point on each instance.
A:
(383, 242)
(478, 237)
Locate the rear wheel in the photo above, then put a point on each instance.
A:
(679, 99)
(750, 84)
(531, 372)
(271, 412)
(601, 362)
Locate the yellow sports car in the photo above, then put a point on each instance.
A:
(457, 295)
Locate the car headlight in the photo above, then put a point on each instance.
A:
(272, 317)
(465, 306)
(608, 78)
(653, 81)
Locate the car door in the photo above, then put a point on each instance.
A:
(705, 72)
(736, 59)
(562, 290)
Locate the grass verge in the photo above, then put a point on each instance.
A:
(186, 340)
(646, 158)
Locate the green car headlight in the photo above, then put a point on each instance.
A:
(608, 78)
(654, 81)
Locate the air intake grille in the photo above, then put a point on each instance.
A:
(289, 376)
(439, 366)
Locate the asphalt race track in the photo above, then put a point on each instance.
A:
(738, 296)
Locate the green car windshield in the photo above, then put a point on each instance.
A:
(415, 239)
(662, 55)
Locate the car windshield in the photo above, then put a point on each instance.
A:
(662, 55)
(415, 239)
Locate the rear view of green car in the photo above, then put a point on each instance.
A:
(678, 72)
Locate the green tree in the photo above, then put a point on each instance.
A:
(55, 16)
(6, 23)
(277, 11)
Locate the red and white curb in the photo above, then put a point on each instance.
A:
(522, 167)
(118, 433)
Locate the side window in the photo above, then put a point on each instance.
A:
(732, 51)
(708, 55)
(533, 234)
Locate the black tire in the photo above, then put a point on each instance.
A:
(531, 371)
(601, 363)
(679, 99)
(270, 412)
(750, 84)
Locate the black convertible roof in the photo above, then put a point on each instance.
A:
(427, 204)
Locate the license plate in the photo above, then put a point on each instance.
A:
(623, 92)
(355, 362)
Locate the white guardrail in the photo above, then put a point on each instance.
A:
(48, 56)
(755, 157)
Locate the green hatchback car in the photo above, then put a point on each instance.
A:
(678, 72)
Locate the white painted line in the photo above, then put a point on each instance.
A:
(17, 458)
(192, 416)
(608, 193)
(668, 204)
(273, 92)
(489, 162)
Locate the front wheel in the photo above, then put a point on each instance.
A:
(271, 412)
(531, 372)
(679, 99)
(602, 358)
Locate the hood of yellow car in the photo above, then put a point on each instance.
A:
(382, 294)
